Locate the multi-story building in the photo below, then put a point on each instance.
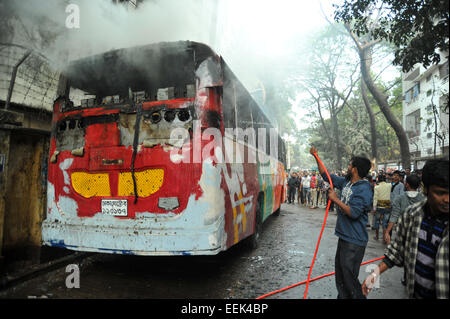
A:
(426, 111)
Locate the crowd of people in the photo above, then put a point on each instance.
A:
(309, 189)
(412, 205)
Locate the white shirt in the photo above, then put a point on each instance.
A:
(306, 182)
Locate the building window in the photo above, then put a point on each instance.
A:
(412, 123)
(416, 90)
(429, 78)
(408, 96)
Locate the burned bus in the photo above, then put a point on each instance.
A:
(144, 156)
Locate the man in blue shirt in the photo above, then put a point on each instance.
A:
(353, 208)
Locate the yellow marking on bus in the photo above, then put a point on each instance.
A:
(244, 216)
(236, 229)
(148, 182)
(89, 185)
(265, 196)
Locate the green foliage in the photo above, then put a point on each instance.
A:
(416, 28)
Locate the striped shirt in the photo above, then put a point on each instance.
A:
(430, 236)
(408, 249)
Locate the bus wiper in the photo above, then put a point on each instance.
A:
(137, 127)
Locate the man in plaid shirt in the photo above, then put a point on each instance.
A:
(421, 242)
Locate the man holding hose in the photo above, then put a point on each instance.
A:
(352, 216)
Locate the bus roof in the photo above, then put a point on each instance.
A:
(159, 65)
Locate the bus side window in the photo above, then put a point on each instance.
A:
(243, 108)
(257, 122)
(228, 105)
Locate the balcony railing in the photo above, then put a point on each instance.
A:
(411, 75)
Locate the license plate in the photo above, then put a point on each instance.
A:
(115, 207)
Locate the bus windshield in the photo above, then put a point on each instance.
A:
(133, 75)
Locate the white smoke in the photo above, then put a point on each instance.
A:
(249, 34)
(105, 25)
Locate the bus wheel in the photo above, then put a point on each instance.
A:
(277, 212)
(253, 240)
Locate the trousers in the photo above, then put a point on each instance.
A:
(386, 213)
(291, 194)
(347, 264)
(306, 195)
(313, 196)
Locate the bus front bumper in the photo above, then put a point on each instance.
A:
(135, 238)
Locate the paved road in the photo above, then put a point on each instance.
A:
(282, 259)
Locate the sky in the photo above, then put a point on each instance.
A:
(273, 29)
(272, 24)
(269, 28)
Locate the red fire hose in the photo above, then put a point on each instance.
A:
(308, 280)
(303, 282)
(323, 226)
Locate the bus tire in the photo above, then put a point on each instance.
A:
(253, 240)
(277, 212)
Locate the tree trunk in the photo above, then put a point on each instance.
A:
(365, 54)
(373, 129)
(337, 142)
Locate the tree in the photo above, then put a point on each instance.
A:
(373, 130)
(329, 80)
(416, 28)
(354, 123)
(365, 44)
